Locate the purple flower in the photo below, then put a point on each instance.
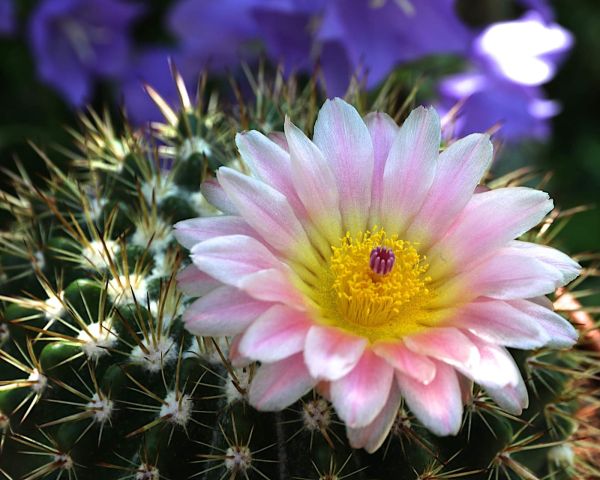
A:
(525, 51)
(221, 33)
(376, 38)
(336, 68)
(287, 28)
(542, 7)
(366, 39)
(7, 18)
(520, 111)
(510, 61)
(216, 33)
(75, 41)
(152, 67)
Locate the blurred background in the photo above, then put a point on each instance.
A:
(527, 70)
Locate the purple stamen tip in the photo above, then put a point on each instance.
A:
(382, 260)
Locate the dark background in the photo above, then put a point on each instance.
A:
(29, 110)
(574, 150)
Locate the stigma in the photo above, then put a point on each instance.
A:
(382, 260)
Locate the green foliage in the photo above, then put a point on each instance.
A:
(99, 379)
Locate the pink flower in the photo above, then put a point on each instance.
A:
(365, 262)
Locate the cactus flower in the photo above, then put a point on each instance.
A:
(368, 265)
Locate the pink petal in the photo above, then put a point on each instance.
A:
(561, 334)
(488, 222)
(224, 311)
(438, 405)
(276, 386)
(543, 301)
(269, 163)
(278, 333)
(235, 357)
(359, 396)
(410, 168)
(501, 323)
(459, 170)
(373, 435)
(568, 267)
(279, 139)
(314, 181)
(268, 212)
(216, 196)
(512, 399)
(196, 230)
(229, 259)
(330, 353)
(383, 130)
(419, 367)
(496, 367)
(505, 277)
(272, 285)
(446, 344)
(195, 283)
(344, 139)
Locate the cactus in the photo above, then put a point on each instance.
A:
(99, 379)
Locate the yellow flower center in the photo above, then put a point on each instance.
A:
(363, 296)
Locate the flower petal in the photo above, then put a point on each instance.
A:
(331, 353)
(561, 334)
(269, 163)
(235, 357)
(272, 285)
(216, 196)
(496, 367)
(410, 363)
(196, 230)
(279, 139)
(459, 170)
(278, 333)
(488, 222)
(343, 137)
(268, 212)
(438, 405)
(501, 323)
(568, 267)
(314, 182)
(373, 435)
(446, 344)
(383, 131)
(410, 168)
(231, 258)
(512, 399)
(276, 386)
(195, 283)
(504, 276)
(359, 396)
(224, 311)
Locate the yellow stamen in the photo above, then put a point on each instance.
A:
(355, 298)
